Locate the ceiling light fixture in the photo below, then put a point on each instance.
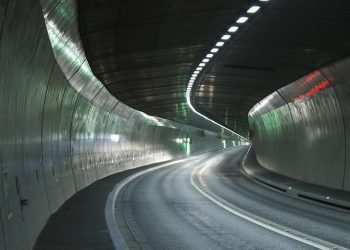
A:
(225, 37)
(242, 19)
(233, 29)
(219, 44)
(253, 9)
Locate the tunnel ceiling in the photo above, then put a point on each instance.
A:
(145, 51)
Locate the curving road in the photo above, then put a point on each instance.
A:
(164, 209)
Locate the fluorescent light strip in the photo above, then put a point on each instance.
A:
(233, 29)
(253, 9)
(218, 124)
(219, 44)
(242, 19)
(225, 37)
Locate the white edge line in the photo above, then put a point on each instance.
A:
(114, 232)
(262, 224)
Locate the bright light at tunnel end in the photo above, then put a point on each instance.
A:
(254, 8)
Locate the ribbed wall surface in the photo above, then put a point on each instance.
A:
(302, 130)
(56, 139)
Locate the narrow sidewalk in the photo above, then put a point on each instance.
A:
(293, 187)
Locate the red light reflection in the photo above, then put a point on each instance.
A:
(307, 81)
(314, 90)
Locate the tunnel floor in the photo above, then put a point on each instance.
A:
(165, 209)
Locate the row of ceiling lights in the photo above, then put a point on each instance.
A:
(241, 20)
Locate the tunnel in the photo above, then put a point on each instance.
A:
(174, 124)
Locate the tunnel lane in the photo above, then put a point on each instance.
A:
(315, 225)
(163, 210)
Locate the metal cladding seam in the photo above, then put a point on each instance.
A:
(60, 129)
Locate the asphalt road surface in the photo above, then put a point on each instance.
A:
(166, 209)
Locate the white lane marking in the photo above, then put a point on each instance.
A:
(272, 226)
(114, 232)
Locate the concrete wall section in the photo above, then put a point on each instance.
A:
(302, 129)
(60, 129)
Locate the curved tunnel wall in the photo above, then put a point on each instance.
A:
(303, 129)
(60, 129)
